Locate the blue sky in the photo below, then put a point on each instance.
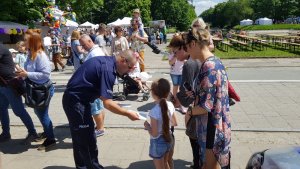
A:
(202, 5)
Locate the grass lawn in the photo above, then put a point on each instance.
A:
(269, 53)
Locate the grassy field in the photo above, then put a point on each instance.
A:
(269, 53)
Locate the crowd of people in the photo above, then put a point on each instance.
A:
(200, 89)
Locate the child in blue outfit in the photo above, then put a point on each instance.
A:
(162, 117)
(137, 17)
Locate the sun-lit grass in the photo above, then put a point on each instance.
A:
(270, 52)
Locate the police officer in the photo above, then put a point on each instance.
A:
(94, 79)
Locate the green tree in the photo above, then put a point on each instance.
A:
(21, 11)
(85, 10)
(177, 13)
(122, 8)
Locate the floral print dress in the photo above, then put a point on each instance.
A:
(211, 87)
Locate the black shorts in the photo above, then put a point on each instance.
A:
(211, 130)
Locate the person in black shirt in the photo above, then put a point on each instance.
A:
(9, 97)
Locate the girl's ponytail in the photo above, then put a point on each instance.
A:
(166, 120)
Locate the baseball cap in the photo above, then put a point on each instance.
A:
(137, 10)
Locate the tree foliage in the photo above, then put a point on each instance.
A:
(228, 14)
(177, 13)
(21, 11)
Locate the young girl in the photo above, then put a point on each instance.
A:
(162, 117)
(21, 55)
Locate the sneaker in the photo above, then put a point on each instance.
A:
(99, 132)
(30, 138)
(55, 70)
(47, 144)
(4, 137)
(41, 137)
(63, 68)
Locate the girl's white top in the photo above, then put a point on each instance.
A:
(156, 114)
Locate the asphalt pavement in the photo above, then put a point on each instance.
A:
(266, 117)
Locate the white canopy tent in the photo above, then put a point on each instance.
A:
(70, 23)
(246, 22)
(121, 22)
(264, 21)
(87, 25)
(115, 23)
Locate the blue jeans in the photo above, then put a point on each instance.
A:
(42, 114)
(7, 96)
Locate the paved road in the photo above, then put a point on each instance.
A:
(265, 106)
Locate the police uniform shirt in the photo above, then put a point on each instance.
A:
(93, 79)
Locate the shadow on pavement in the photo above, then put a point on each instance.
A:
(146, 107)
(179, 164)
(15, 146)
(58, 167)
(61, 134)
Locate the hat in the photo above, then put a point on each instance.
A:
(137, 10)
(13, 50)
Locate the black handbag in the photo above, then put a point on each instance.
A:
(37, 95)
(191, 126)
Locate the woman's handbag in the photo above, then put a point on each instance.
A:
(37, 95)
(191, 126)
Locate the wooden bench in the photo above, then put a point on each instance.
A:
(282, 44)
(225, 45)
(294, 45)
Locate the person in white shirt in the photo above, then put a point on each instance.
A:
(100, 41)
(119, 43)
(47, 42)
(97, 107)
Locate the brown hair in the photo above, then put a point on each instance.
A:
(75, 35)
(161, 89)
(176, 42)
(118, 29)
(34, 41)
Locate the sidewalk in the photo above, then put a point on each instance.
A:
(122, 148)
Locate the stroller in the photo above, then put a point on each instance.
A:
(130, 86)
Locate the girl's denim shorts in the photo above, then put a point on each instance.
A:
(159, 147)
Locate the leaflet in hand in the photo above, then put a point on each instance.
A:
(142, 115)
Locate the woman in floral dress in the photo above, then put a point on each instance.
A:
(210, 90)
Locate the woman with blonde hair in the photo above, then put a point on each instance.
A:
(210, 90)
(37, 69)
(199, 23)
(77, 50)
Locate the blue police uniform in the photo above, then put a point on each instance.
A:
(93, 79)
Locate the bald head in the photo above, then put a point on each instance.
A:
(86, 42)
